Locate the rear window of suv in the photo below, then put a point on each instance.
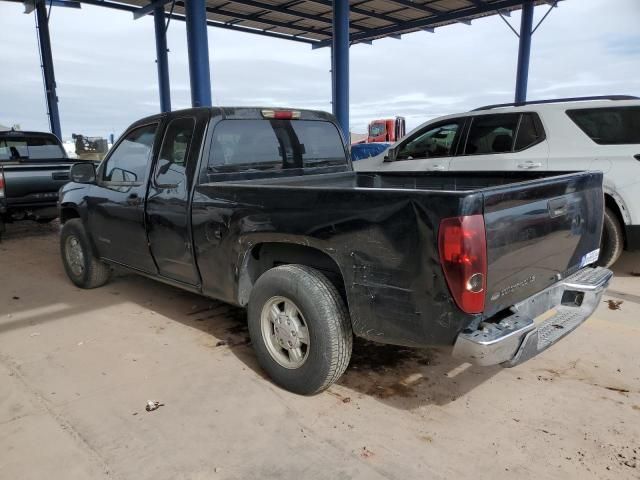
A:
(609, 126)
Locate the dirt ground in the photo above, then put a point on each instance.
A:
(77, 368)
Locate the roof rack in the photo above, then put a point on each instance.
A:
(557, 100)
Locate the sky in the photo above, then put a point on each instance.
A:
(107, 78)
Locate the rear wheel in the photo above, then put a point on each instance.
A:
(612, 241)
(83, 267)
(300, 328)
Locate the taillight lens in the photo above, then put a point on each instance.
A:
(1, 185)
(463, 252)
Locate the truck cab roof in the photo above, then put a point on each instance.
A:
(242, 113)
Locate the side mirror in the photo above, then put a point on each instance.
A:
(83, 172)
(391, 155)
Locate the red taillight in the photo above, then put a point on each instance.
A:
(281, 114)
(1, 185)
(463, 252)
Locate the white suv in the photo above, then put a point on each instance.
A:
(590, 133)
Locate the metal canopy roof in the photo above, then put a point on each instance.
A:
(309, 21)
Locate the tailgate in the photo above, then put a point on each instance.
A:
(29, 183)
(539, 232)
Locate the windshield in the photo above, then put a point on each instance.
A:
(30, 148)
(275, 144)
(377, 129)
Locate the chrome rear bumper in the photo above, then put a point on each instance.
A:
(561, 308)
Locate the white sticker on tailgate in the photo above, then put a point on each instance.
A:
(590, 257)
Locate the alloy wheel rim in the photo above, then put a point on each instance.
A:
(75, 255)
(285, 332)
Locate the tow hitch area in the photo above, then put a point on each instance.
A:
(536, 323)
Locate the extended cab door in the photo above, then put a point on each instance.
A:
(116, 202)
(428, 149)
(502, 141)
(168, 225)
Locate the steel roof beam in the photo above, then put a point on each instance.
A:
(361, 11)
(294, 13)
(286, 11)
(256, 18)
(430, 22)
(211, 23)
(149, 8)
(417, 6)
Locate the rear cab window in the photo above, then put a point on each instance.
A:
(276, 144)
(610, 125)
(34, 147)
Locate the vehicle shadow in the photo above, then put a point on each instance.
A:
(401, 377)
(628, 265)
(408, 378)
(28, 229)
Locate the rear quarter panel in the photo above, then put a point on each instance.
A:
(383, 241)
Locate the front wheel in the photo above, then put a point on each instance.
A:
(83, 268)
(300, 328)
(612, 241)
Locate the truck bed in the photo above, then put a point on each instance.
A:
(540, 227)
(429, 181)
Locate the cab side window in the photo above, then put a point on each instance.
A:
(172, 161)
(128, 162)
(435, 141)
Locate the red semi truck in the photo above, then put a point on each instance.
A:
(386, 130)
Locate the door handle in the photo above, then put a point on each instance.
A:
(529, 165)
(437, 168)
(60, 175)
(637, 156)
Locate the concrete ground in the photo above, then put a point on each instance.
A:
(77, 368)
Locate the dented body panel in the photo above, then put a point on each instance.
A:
(381, 230)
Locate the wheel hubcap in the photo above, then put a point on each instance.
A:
(285, 332)
(75, 255)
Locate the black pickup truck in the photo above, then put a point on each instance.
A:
(33, 167)
(261, 208)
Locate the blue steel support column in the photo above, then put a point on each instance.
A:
(46, 57)
(196, 19)
(524, 51)
(340, 64)
(162, 59)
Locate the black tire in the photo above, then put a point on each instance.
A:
(612, 242)
(94, 273)
(327, 320)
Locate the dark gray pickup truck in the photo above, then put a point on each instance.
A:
(33, 167)
(261, 208)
